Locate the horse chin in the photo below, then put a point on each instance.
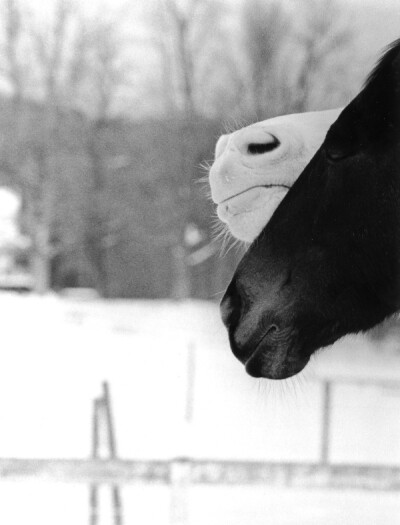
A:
(247, 225)
(275, 364)
(276, 361)
(247, 213)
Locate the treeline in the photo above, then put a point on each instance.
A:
(105, 130)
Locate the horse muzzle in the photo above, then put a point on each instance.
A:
(265, 347)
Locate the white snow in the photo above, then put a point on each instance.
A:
(56, 352)
(46, 503)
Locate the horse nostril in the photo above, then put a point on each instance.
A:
(260, 148)
(272, 329)
(270, 332)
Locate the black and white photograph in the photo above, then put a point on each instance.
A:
(200, 262)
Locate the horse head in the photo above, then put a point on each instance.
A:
(327, 263)
(255, 166)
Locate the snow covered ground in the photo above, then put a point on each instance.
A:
(177, 390)
(49, 504)
(55, 354)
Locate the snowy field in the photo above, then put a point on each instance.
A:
(176, 390)
(56, 353)
(45, 504)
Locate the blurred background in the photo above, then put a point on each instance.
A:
(120, 402)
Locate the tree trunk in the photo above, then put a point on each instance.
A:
(181, 287)
(41, 263)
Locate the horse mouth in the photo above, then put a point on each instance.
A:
(275, 362)
(257, 203)
(249, 194)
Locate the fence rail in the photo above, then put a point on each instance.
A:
(118, 471)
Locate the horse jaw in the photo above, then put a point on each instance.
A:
(247, 213)
(255, 167)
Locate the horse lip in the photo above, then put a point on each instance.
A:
(252, 188)
(284, 371)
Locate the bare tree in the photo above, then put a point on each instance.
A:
(182, 33)
(322, 39)
(105, 74)
(13, 71)
(13, 68)
(294, 57)
(265, 31)
(75, 65)
(48, 49)
(181, 22)
(15, 32)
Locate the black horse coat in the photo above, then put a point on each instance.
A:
(328, 262)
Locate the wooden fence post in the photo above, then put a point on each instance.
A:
(104, 447)
(326, 422)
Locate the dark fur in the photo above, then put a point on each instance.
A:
(328, 262)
